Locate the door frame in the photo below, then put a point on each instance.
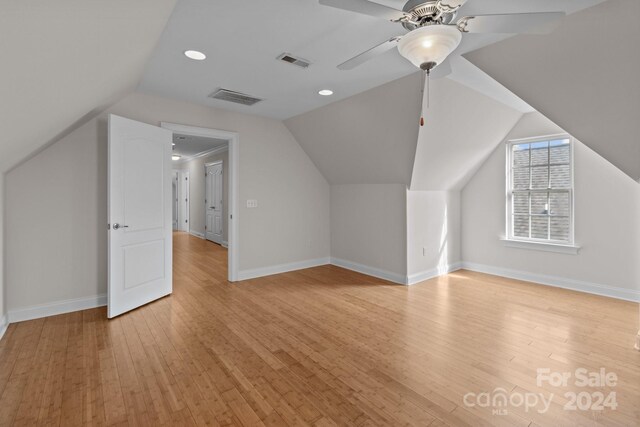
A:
(175, 202)
(233, 220)
(183, 206)
(186, 217)
(217, 162)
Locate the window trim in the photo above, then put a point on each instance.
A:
(534, 243)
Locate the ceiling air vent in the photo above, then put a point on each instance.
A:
(231, 96)
(287, 57)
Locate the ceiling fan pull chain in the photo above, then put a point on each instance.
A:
(425, 75)
(428, 88)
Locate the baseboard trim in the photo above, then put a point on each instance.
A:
(196, 234)
(57, 307)
(558, 282)
(281, 268)
(370, 271)
(412, 279)
(225, 244)
(4, 324)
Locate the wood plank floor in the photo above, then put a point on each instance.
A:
(322, 347)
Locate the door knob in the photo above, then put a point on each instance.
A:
(117, 226)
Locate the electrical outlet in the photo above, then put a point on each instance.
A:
(252, 203)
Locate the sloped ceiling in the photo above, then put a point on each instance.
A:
(462, 128)
(64, 60)
(584, 77)
(369, 138)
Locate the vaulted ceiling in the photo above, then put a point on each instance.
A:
(584, 77)
(64, 60)
(369, 138)
(242, 40)
(74, 58)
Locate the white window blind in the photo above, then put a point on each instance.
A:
(540, 193)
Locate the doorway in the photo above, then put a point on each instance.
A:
(210, 157)
(215, 225)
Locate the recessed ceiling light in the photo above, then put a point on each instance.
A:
(325, 92)
(194, 54)
(175, 157)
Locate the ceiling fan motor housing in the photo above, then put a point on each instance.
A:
(425, 13)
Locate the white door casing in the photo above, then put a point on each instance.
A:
(174, 197)
(213, 202)
(184, 201)
(140, 217)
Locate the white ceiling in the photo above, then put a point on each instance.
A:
(462, 128)
(188, 146)
(369, 138)
(63, 61)
(243, 38)
(583, 77)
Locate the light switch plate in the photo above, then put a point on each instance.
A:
(252, 203)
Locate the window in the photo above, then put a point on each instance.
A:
(540, 190)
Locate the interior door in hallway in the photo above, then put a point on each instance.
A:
(213, 202)
(140, 216)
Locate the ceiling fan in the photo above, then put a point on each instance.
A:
(435, 30)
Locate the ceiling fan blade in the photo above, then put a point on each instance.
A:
(369, 54)
(516, 23)
(366, 7)
(449, 6)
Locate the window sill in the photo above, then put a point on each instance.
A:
(541, 246)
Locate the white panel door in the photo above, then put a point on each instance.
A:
(140, 214)
(213, 203)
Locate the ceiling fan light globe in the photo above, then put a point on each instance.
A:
(433, 43)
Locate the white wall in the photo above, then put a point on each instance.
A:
(607, 208)
(56, 202)
(433, 233)
(56, 222)
(197, 189)
(368, 228)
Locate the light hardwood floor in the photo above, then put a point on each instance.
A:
(323, 346)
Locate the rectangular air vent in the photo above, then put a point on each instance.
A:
(232, 96)
(287, 57)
